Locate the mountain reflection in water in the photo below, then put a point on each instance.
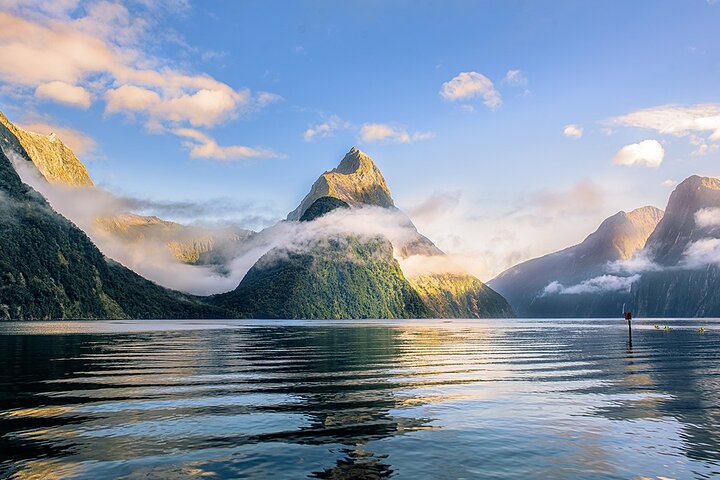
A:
(491, 399)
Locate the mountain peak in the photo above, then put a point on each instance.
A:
(55, 161)
(356, 181)
(678, 228)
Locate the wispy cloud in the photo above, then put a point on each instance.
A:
(202, 145)
(648, 153)
(382, 132)
(62, 92)
(601, 284)
(515, 78)
(701, 123)
(325, 129)
(469, 85)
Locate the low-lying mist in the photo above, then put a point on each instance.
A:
(150, 256)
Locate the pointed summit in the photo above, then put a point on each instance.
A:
(356, 181)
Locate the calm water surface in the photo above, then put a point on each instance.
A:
(505, 399)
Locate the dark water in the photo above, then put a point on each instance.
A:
(492, 399)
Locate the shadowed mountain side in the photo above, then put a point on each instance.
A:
(617, 238)
(685, 279)
(49, 269)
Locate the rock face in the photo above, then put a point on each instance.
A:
(355, 277)
(49, 269)
(356, 181)
(685, 251)
(617, 238)
(51, 156)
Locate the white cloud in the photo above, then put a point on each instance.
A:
(708, 217)
(469, 85)
(573, 131)
(382, 132)
(601, 284)
(70, 55)
(702, 253)
(202, 145)
(700, 122)
(64, 93)
(648, 153)
(324, 129)
(515, 78)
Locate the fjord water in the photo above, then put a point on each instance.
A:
(460, 399)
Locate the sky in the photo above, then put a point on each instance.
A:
(505, 129)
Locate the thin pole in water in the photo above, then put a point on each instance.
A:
(628, 317)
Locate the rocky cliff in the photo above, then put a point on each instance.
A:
(55, 161)
(683, 255)
(356, 181)
(617, 238)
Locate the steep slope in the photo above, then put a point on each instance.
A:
(51, 156)
(59, 165)
(356, 181)
(619, 237)
(335, 278)
(49, 269)
(685, 249)
(351, 276)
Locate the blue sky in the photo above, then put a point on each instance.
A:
(485, 170)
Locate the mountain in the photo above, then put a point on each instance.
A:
(617, 238)
(49, 269)
(353, 276)
(356, 181)
(684, 253)
(194, 245)
(50, 155)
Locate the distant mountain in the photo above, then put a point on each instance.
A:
(683, 278)
(59, 165)
(617, 238)
(350, 276)
(49, 269)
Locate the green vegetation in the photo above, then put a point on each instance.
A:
(49, 269)
(455, 295)
(335, 278)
